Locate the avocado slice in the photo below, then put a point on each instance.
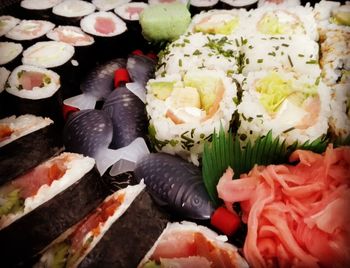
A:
(162, 89)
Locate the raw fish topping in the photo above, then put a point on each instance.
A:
(296, 215)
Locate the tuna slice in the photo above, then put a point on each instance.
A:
(30, 80)
(296, 215)
(104, 25)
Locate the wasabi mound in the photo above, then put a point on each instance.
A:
(164, 22)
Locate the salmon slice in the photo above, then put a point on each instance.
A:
(5, 132)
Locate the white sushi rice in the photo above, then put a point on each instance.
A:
(4, 74)
(130, 11)
(213, 52)
(290, 53)
(239, 3)
(7, 23)
(39, 4)
(340, 106)
(77, 166)
(284, 3)
(335, 55)
(30, 29)
(220, 22)
(23, 125)
(49, 86)
(9, 51)
(72, 35)
(187, 139)
(88, 24)
(185, 227)
(73, 8)
(156, 2)
(256, 121)
(105, 5)
(48, 54)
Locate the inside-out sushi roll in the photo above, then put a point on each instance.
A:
(73, 9)
(7, 23)
(294, 106)
(104, 24)
(30, 29)
(130, 11)
(228, 4)
(75, 244)
(218, 22)
(71, 35)
(32, 82)
(105, 5)
(272, 22)
(189, 245)
(13, 128)
(184, 112)
(48, 54)
(22, 195)
(39, 5)
(9, 51)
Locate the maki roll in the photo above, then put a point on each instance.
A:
(105, 5)
(247, 4)
(65, 184)
(26, 139)
(294, 106)
(7, 23)
(184, 112)
(38, 8)
(187, 244)
(71, 11)
(71, 248)
(104, 24)
(71, 35)
(28, 30)
(34, 90)
(32, 82)
(48, 54)
(9, 53)
(196, 6)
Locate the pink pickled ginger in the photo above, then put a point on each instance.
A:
(297, 216)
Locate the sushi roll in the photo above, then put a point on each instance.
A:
(38, 8)
(71, 35)
(197, 6)
(7, 23)
(26, 139)
(156, 2)
(185, 112)
(130, 12)
(66, 184)
(34, 90)
(71, 248)
(28, 30)
(219, 22)
(105, 5)
(9, 53)
(273, 22)
(247, 4)
(72, 11)
(198, 50)
(291, 53)
(187, 244)
(294, 106)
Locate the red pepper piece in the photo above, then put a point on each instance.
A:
(121, 76)
(137, 52)
(225, 221)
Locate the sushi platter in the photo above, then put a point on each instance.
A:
(174, 133)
